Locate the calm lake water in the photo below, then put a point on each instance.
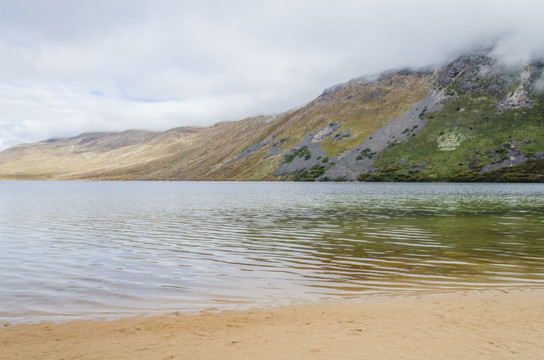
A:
(93, 249)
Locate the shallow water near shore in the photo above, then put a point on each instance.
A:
(99, 249)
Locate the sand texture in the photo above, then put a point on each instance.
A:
(455, 325)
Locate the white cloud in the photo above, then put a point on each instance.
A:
(161, 64)
(38, 112)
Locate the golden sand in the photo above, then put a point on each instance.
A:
(455, 325)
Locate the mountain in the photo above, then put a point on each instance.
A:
(472, 119)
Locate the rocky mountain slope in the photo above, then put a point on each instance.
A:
(470, 120)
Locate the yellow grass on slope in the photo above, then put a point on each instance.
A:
(206, 153)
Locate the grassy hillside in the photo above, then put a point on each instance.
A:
(490, 138)
(359, 106)
(493, 141)
(375, 104)
(471, 120)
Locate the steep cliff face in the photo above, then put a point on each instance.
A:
(470, 120)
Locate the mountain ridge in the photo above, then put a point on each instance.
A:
(386, 127)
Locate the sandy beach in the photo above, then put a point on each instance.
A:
(494, 324)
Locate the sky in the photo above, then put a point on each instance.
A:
(74, 66)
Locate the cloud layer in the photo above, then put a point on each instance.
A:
(68, 67)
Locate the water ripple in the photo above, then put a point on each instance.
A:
(89, 249)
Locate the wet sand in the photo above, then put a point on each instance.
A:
(453, 325)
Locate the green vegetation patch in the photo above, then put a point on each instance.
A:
(305, 175)
(480, 137)
(366, 154)
(529, 171)
(302, 152)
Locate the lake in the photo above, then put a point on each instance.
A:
(74, 250)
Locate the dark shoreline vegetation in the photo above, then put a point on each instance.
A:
(472, 120)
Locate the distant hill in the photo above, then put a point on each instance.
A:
(470, 120)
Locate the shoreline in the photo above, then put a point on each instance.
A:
(483, 324)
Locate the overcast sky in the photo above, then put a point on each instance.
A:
(69, 66)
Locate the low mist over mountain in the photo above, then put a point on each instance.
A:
(472, 119)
